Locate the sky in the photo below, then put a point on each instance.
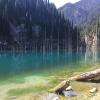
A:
(60, 3)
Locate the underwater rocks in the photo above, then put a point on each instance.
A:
(12, 97)
(70, 93)
(93, 90)
(51, 96)
(69, 88)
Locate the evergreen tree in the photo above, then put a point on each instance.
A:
(39, 13)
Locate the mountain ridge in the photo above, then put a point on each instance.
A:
(81, 11)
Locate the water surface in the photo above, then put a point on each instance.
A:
(15, 63)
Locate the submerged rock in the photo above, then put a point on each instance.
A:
(51, 96)
(70, 93)
(56, 98)
(12, 97)
(69, 88)
(93, 90)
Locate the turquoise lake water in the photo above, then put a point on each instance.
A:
(14, 63)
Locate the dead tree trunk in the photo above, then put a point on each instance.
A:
(83, 77)
(60, 87)
(86, 76)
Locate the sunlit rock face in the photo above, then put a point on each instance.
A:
(91, 47)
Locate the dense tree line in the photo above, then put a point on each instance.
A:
(53, 28)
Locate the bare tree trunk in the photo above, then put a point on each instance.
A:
(86, 76)
(60, 87)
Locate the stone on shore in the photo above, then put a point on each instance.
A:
(69, 88)
(94, 90)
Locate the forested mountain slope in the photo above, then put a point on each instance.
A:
(35, 24)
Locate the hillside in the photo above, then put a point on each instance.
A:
(81, 11)
(34, 24)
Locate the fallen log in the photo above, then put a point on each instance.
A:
(60, 87)
(83, 77)
(86, 76)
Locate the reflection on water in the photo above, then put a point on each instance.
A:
(12, 63)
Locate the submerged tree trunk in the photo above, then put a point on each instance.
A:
(86, 76)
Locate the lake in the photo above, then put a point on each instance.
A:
(16, 63)
(12, 63)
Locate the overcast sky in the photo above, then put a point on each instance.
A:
(60, 3)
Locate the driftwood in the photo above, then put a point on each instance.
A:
(60, 87)
(86, 76)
